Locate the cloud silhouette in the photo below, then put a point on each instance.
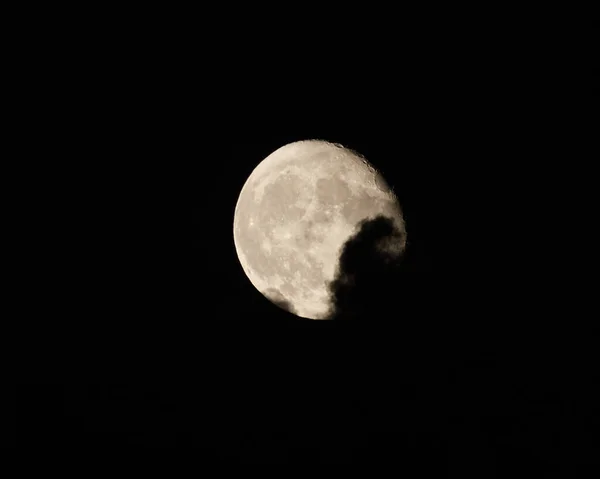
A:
(275, 296)
(369, 271)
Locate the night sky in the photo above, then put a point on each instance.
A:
(150, 334)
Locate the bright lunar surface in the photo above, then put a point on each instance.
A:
(294, 214)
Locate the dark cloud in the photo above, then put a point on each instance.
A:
(278, 299)
(369, 271)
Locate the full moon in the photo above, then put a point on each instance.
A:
(294, 214)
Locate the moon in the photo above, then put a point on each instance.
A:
(294, 214)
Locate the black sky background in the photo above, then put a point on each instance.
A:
(148, 333)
